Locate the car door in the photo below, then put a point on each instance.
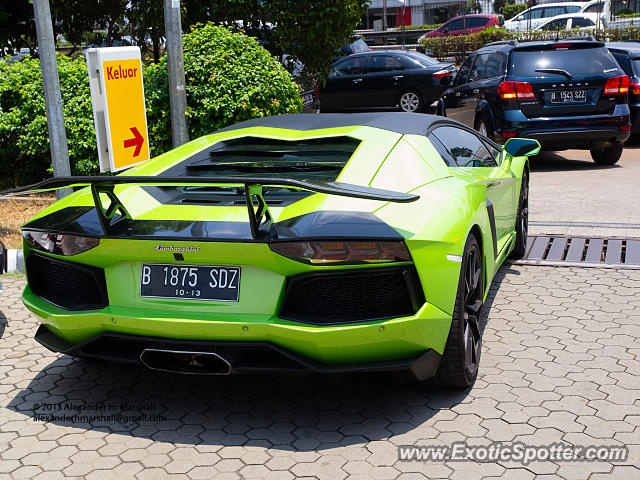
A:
(492, 74)
(535, 18)
(476, 24)
(384, 80)
(480, 161)
(462, 99)
(453, 27)
(345, 85)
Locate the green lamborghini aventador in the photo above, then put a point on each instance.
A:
(294, 243)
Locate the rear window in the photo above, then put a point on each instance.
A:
(635, 65)
(359, 46)
(314, 159)
(415, 60)
(577, 61)
(595, 8)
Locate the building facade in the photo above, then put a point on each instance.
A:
(416, 12)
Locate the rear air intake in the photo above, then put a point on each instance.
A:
(68, 285)
(353, 295)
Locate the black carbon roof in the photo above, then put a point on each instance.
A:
(400, 122)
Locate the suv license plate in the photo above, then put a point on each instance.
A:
(190, 282)
(569, 96)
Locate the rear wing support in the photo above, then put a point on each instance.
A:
(107, 215)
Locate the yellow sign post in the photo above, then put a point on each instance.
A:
(117, 95)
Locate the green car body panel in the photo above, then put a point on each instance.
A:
(452, 203)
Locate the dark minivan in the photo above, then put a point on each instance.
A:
(627, 55)
(565, 94)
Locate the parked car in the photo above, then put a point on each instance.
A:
(464, 25)
(356, 45)
(584, 21)
(567, 94)
(627, 54)
(385, 79)
(536, 16)
(603, 7)
(308, 271)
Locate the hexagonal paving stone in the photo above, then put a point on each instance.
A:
(559, 363)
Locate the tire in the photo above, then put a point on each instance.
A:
(607, 156)
(441, 110)
(458, 367)
(410, 101)
(483, 127)
(522, 218)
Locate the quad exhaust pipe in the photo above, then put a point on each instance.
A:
(181, 361)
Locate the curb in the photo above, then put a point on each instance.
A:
(11, 261)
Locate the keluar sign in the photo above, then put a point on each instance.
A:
(117, 96)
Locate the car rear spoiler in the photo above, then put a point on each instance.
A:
(260, 218)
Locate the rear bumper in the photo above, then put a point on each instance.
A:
(362, 343)
(241, 357)
(635, 117)
(558, 133)
(578, 138)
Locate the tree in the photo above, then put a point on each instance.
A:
(146, 22)
(112, 14)
(75, 20)
(18, 27)
(312, 31)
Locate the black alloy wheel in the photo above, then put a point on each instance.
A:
(459, 364)
(522, 219)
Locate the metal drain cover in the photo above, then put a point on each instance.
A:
(582, 251)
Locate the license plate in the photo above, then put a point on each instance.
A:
(190, 282)
(569, 96)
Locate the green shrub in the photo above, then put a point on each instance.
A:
(460, 45)
(229, 77)
(510, 11)
(24, 138)
(422, 27)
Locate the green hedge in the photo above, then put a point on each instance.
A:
(422, 27)
(229, 77)
(458, 47)
(510, 11)
(24, 138)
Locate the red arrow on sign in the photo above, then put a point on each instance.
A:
(136, 141)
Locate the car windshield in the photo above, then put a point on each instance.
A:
(580, 61)
(311, 160)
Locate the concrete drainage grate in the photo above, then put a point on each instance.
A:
(582, 252)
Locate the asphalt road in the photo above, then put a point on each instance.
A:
(571, 195)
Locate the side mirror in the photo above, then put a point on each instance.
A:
(445, 81)
(519, 147)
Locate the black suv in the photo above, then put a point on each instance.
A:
(628, 56)
(565, 94)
